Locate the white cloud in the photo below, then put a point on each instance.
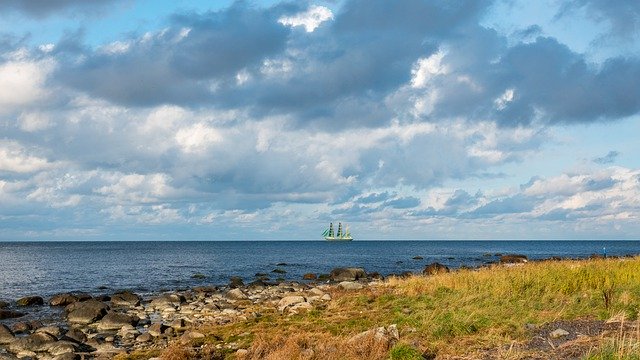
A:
(23, 82)
(197, 137)
(34, 121)
(310, 19)
(426, 68)
(504, 99)
(14, 158)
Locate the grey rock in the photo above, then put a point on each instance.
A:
(157, 329)
(6, 335)
(347, 274)
(53, 330)
(558, 333)
(236, 294)
(34, 342)
(21, 327)
(435, 268)
(75, 335)
(289, 301)
(8, 314)
(3, 304)
(146, 337)
(126, 298)
(66, 356)
(86, 312)
(513, 259)
(385, 337)
(114, 321)
(61, 347)
(63, 299)
(350, 285)
(30, 301)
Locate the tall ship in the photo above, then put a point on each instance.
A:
(340, 235)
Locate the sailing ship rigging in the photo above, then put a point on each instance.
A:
(340, 235)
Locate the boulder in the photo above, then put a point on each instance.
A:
(384, 337)
(115, 321)
(309, 276)
(34, 342)
(125, 298)
(6, 335)
(86, 312)
(347, 274)
(376, 276)
(30, 301)
(435, 268)
(350, 285)
(63, 299)
(288, 301)
(235, 282)
(300, 307)
(167, 301)
(67, 356)
(417, 257)
(178, 324)
(236, 294)
(3, 304)
(513, 259)
(21, 327)
(558, 333)
(76, 335)
(157, 329)
(52, 330)
(62, 347)
(143, 338)
(7, 356)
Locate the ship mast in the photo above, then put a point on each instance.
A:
(330, 229)
(339, 230)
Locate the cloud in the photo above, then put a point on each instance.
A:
(15, 158)
(24, 80)
(607, 159)
(310, 19)
(44, 8)
(623, 17)
(406, 202)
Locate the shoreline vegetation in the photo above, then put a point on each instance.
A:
(516, 309)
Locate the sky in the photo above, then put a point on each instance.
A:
(266, 120)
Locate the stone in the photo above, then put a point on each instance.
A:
(375, 276)
(114, 321)
(53, 330)
(288, 301)
(435, 268)
(309, 276)
(30, 301)
(236, 294)
(66, 356)
(326, 297)
(385, 337)
(6, 335)
(417, 257)
(3, 304)
(300, 307)
(9, 314)
(21, 327)
(86, 312)
(7, 356)
(199, 276)
(75, 335)
(146, 337)
(167, 301)
(63, 299)
(350, 285)
(513, 259)
(178, 324)
(62, 347)
(558, 333)
(125, 298)
(157, 329)
(241, 353)
(279, 271)
(34, 342)
(347, 274)
(235, 282)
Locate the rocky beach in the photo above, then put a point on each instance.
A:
(82, 326)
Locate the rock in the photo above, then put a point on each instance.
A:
(324, 277)
(288, 301)
(34, 342)
(385, 337)
(347, 274)
(30, 301)
(376, 276)
(326, 297)
(558, 333)
(6, 335)
(435, 268)
(241, 353)
(86, 312)
(190, 335)
(350, 285)
(282, 264)
(157, 329)
(63, 299)
(21, 327)
(115, 321)
(75, 335)
(3, 304)
(53, 330)
(235, 282)
(146, 337)
(6, 356)
(167, 301)
(300, 307)
(513, 259)
(125, 298)
(236, 294)
(417, 258)
(27, 355)
(279, 271)
(198, 276)
(178, 324)
(66, 356)
(61, 347)
(309, 276)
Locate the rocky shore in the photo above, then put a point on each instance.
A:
(81, 326)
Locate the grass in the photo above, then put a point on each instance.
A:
(462, 314)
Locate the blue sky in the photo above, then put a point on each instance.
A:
(232, 120)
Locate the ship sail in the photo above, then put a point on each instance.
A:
(343, 234)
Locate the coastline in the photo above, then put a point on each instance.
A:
(123, 323)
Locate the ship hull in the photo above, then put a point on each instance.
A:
(333, 238)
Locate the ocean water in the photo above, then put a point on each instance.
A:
(46, 268)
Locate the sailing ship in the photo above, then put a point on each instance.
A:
(340, 235)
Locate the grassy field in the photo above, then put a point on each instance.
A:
(499, 312)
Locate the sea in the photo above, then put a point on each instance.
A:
(47, 268)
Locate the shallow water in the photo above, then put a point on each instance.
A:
(46, 268)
